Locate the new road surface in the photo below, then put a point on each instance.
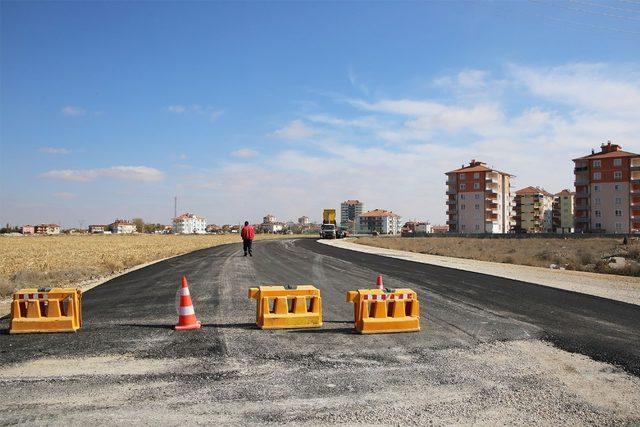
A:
(490, 350)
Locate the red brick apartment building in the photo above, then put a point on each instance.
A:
(607, 191)
(479, 200)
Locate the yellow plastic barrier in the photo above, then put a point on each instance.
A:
(46, 310)
(377, 312)
(280, 308)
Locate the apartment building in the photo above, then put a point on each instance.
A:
(303, 220)
(47, 229)
(378, 220)
(607, 198)
(98, 228)
(349, 210)
(563, 209)
(534, 211)
(120, 226)
(479, 200)
(189, 223)
(269, 219)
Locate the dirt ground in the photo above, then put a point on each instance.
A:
(67, 260)
(587, 254)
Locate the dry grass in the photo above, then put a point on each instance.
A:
(574, 254)
(37, 261)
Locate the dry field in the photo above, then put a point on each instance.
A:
(35, 261)
(588, 254)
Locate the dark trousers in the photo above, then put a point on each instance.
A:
(246, 246)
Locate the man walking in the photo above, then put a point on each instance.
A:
(248, 233)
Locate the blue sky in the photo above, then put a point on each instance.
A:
(241, 109)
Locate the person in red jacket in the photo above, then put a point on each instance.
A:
(247, 234)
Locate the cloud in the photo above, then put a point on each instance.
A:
(244, 153)
(127, 173)
(73, 111)
(294, 131)
(183, 157)
(64, 196)
(54, 150)
(212, 113)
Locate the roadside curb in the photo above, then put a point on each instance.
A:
(618, 288)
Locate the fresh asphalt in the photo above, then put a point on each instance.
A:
(134, 313)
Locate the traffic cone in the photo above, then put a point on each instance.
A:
(379, 283)
(186, 314)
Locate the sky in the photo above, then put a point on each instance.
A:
(111, 109)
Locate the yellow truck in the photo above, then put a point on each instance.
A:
(329, 228)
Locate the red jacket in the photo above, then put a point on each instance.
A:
(248, 233)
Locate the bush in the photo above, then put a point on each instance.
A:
(6, 287)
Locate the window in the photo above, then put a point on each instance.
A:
(463, 227)
(597, 201)
(618, 200)
(463, 207)
(477, 227)
(616, 187)
(477, 196)
(463, 186)
(596, 188)
(618, 212)
(617, 162)
(618, 226)
(462, 197)
(476, 185)
(596, 163)
(617, 175)
(598, 214)
(463, 176)
(476, 175)
(598, 225)
(477, 207)
(596, 176)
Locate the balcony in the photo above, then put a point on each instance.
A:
(635, 201)
(582, 219)
(583, 194)
(579, 169)
(492, 179)
(451, 222)
(635, 177)
(635, 165)
(451, 182)
(451, 202)
(451, 191)
(582, 208)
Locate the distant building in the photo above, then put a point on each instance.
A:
(212, 228)
(28, 229)
(479, 200)
(269, 219)
(413, 229)
(349, 210)
(120, 226)
(378, 220)
(607, 198)
(534, 211)
(189, 223)
(98, 229)
(439, 229)
(47, 229)
(563, 210)
(303, 220)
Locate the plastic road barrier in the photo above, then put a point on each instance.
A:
(377, 312)
(46, 310)
(280, 308)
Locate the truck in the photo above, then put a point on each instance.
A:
(329, 228)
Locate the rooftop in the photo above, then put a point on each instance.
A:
(608, 150)
(378, 213)
(351, 202)
(188, 216)
(533, 190)
(477, 166)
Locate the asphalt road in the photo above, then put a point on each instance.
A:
(477, 358)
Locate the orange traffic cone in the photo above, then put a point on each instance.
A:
(379, 283)
(186, 314)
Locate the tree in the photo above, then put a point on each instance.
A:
(139, 223)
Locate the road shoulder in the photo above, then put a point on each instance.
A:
(618, 288)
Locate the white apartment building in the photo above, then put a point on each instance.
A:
(563, 211)
(378, 220)
(534, 211)
(189, 224)
(272, 227)
(303, 220)
(349, 210)
(607, 191)
(479, 200)
(120, 226)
